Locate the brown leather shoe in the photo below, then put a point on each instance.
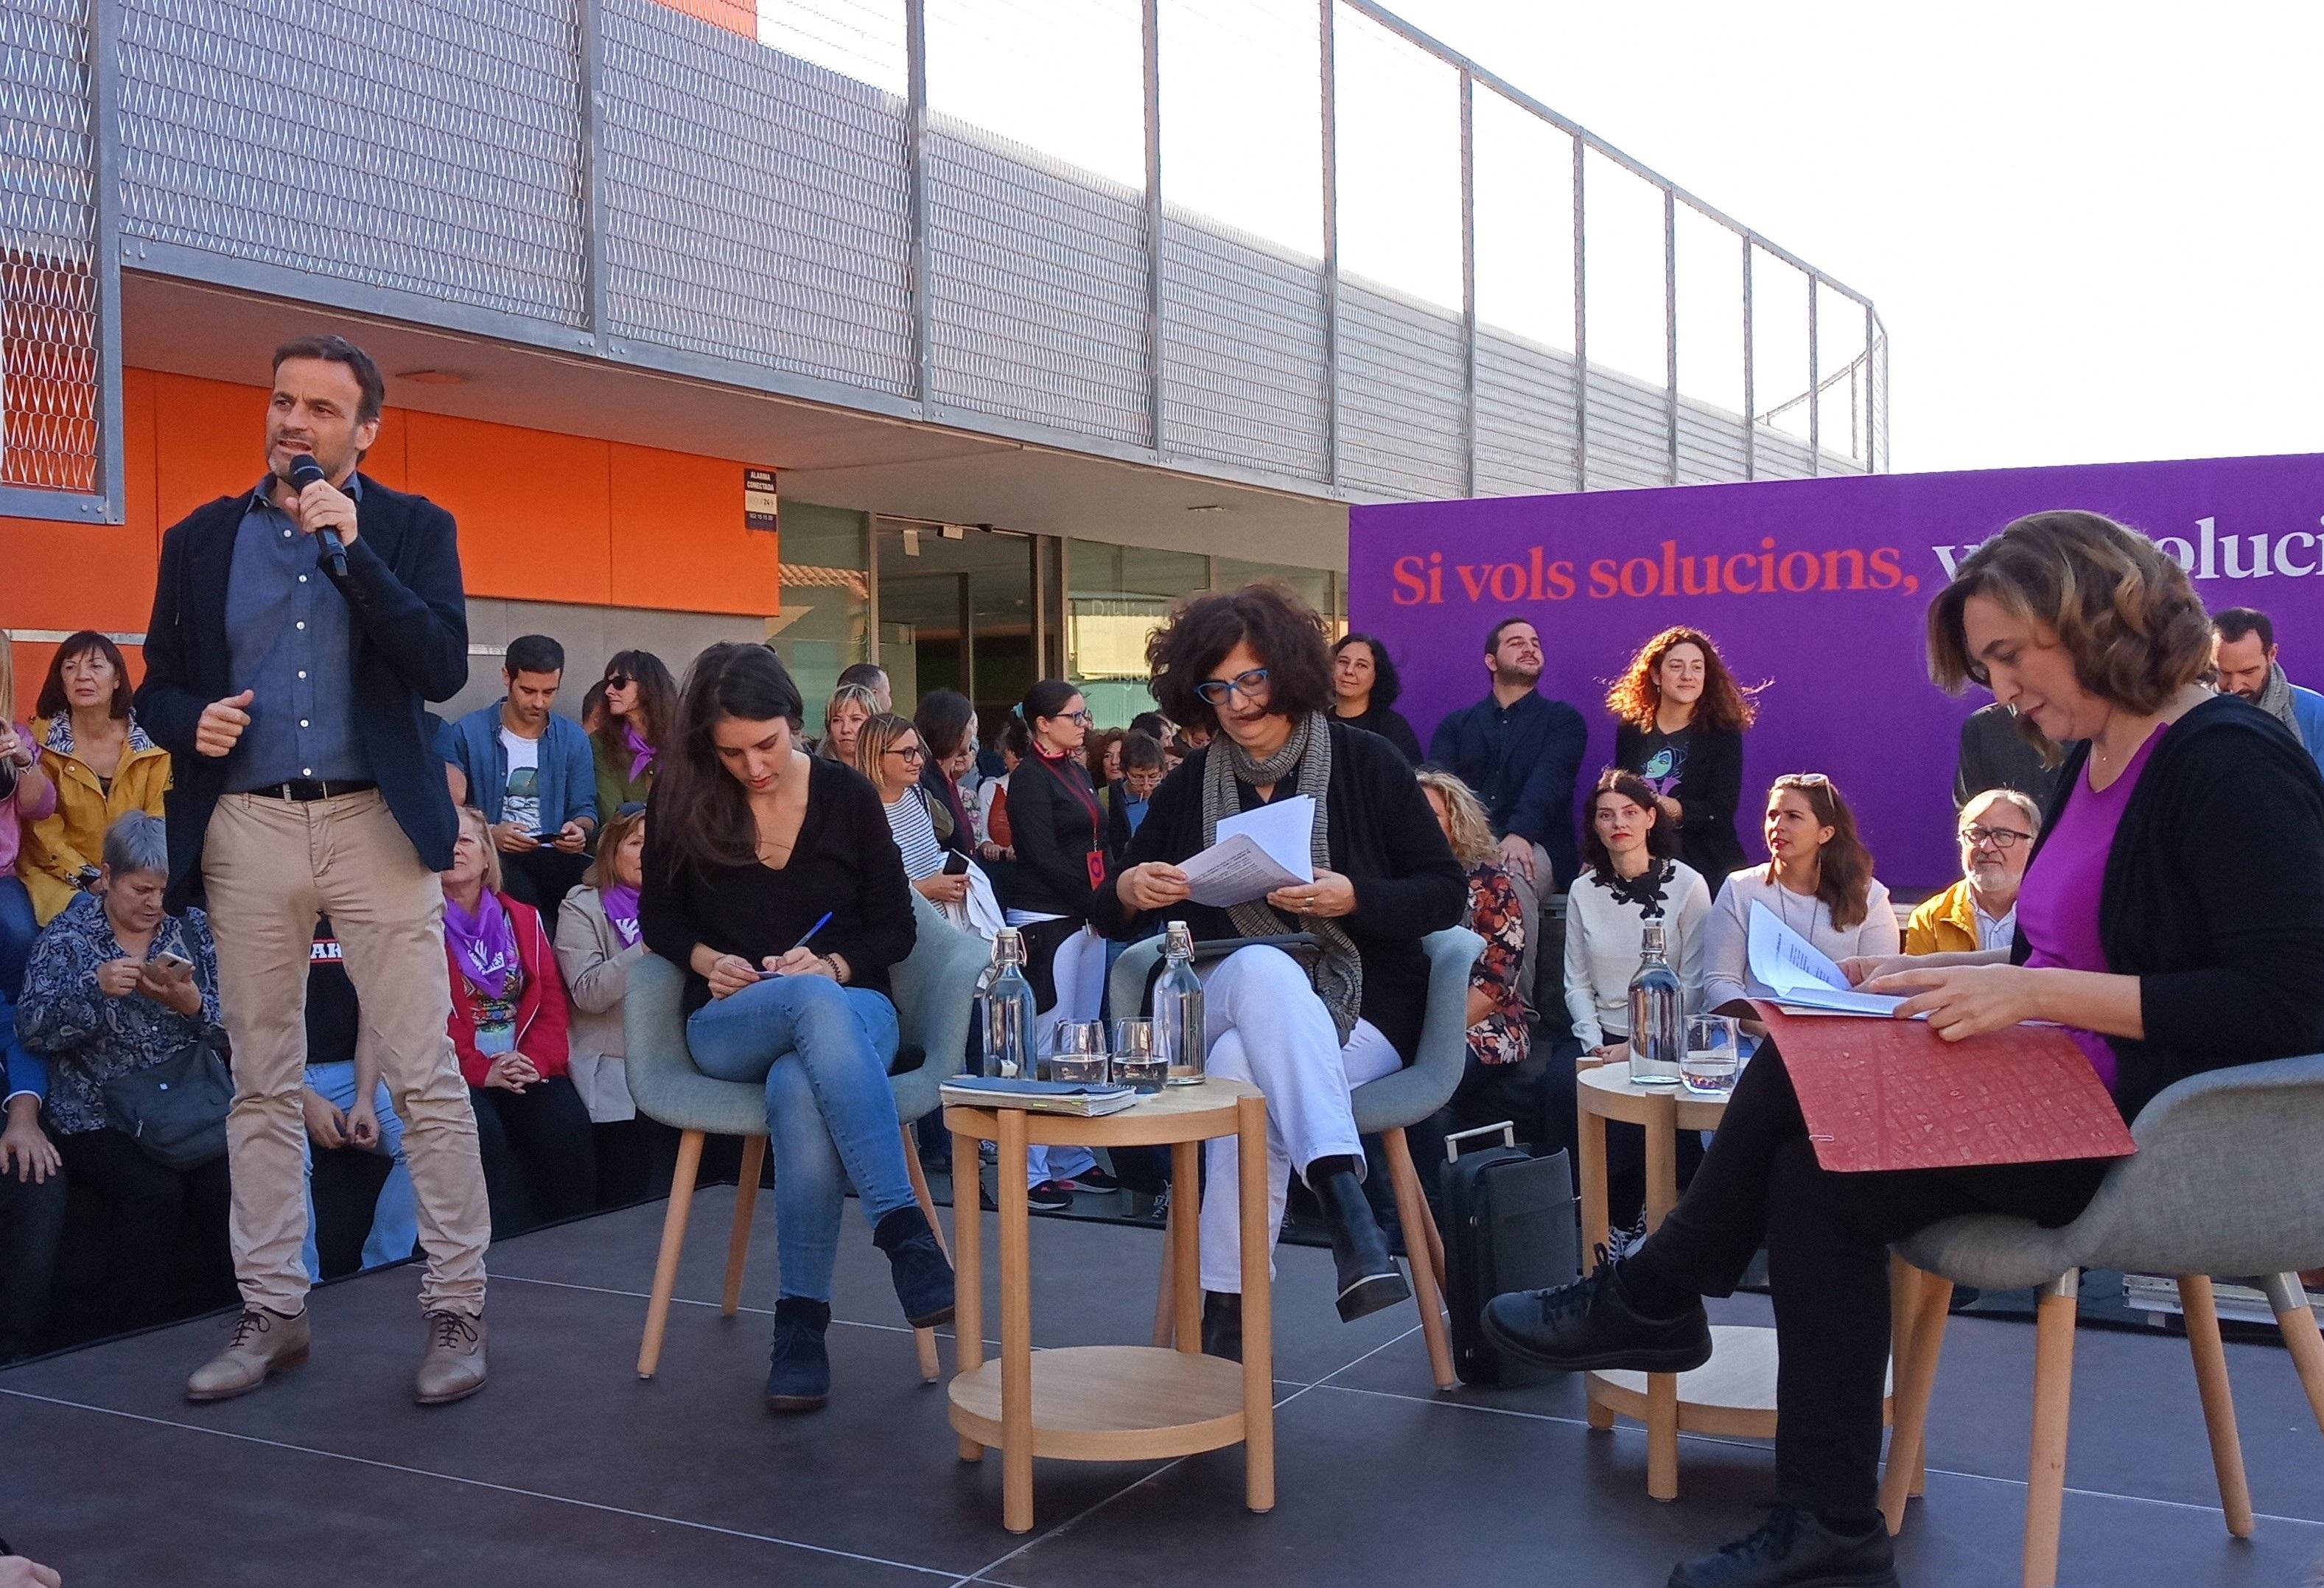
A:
(452, 1368)
(263, 1342)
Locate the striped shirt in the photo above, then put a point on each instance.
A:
(916, 836)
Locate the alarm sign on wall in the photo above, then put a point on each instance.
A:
(758, 499)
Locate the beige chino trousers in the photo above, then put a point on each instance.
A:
(270, 867)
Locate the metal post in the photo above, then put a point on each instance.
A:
(1154, 388)
(1581, 332)
(105, 136)
(1670, 320)
(1469, 281)
(1871, 373)
(592, 53)
(1815, 396)
(916, 137)
(1750, 397)
(1329, 82)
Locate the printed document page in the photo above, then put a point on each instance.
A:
(1798, 974)
(1257, 852)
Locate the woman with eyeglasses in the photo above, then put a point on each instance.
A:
(637, 708)
(1818, 882)
(1307, 1029)
(889, 752)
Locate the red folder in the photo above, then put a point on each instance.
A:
(1893, 1095)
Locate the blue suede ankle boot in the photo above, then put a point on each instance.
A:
(798, 1372)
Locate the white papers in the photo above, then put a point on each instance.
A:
(1796, 974)
(1257, 852)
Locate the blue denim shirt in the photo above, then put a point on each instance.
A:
(290, 641)
(567, 769)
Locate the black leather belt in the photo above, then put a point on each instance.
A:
(308, 788)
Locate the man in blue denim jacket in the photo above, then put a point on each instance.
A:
(529, 771)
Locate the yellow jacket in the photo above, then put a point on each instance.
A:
(73, 835)
(1946, 924)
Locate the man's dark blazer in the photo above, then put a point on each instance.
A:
(409, 618)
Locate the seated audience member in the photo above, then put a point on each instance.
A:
(638, 702)
(1498, 1082)
(1818, 882)
(2244, 654)
(1133, 796)
(1997, 829)
(338, 1072)
(509, 1023)
(1997, 753)
(1365, 687)
(1680, 720)
(531, 772)
(2172, 922)
(598, 939)
(27, 796)
(850, 708)
(31, 1197)
(1254, 663)
(116, 987)
(752, 846)
(871, 676)
(98, 761)
(947, 723)
(889, 752)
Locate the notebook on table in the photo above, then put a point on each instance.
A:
(1066, 1097)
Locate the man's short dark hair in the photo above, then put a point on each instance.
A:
(1493, 639)
(1151, 725)
(867, 675)
(2236, 621)
(1143, 750)
(339, 350)
(533, 653)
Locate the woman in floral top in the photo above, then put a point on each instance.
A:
(1497, 1032)
(99, 1003)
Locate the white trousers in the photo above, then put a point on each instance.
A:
(1079, 972)
(1263, 1023)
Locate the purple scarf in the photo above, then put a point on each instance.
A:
(621, 908)
(483, 945)
(641, 756)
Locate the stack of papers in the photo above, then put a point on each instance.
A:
(1257, 852)
(1794, 974)
(1065, 1097)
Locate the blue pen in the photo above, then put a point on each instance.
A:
(811, 931)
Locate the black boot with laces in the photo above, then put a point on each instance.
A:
(1795, 1548)
(1595, 1325)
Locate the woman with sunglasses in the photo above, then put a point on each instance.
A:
(637, 707)
(1307, 1029)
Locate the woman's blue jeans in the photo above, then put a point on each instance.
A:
(823, 1051)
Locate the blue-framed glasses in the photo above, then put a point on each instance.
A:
(1250, 686)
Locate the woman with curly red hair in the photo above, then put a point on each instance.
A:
(1682, 719)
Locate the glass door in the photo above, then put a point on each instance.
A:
(956, 611)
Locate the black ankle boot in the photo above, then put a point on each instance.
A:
(1797, 1549)
(798, 1368)
(1369, 1277)
(922, 1272)
(1222, 1324)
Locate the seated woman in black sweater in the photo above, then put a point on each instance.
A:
(2171, 919)
(770, 876)
(1252, 666)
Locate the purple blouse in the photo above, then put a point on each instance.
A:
(2058, 904)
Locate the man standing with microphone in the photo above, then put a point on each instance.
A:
(297, 631)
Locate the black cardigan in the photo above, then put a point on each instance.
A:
(2213, 898)
(1054, 836)
(1383, 838)
(1389, 724)
(846, 861)
(1708, 792)
(409, 621)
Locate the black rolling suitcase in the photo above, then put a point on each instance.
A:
(1510, 1225)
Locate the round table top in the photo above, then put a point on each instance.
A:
(1177, 1114)
(1607, 1089)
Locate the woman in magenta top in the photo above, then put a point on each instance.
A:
(2173, 919)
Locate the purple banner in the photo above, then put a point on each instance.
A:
(1816, 588)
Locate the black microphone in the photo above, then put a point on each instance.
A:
(304, 472)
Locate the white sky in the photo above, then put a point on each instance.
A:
(2093, 232)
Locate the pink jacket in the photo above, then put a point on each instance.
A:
(16, 814)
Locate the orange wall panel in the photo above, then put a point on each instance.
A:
(210, 441)
(64, 574)
(534, 509)
(678, 540)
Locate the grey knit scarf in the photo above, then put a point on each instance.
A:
(2275, 698)
(1340, 979)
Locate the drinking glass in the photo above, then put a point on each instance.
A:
(1708, 1066)
(1135, 1065)
(1079, 1055)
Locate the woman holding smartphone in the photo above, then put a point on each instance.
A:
(773, 880)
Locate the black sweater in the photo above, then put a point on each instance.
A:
(846, 861)
(1709, 789)
(1384, 839)
(2213, 898)
(1055, 829)
(1389, 724)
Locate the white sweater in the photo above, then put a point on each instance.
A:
(1602, 934)
(1727, 973)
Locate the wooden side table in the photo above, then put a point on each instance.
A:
(1732, 1395)
(1114, 1402)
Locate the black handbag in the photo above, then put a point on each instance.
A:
(175, 1110)
(1509, 1225)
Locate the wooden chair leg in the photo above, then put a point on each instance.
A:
(1411, 1212)
(924, 1340)
(2301, 1336)
(673, 1240)
(746, 1203)
(1920, 1337)
(920, 1193)
(2053, 1394)
(2202, 1316)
